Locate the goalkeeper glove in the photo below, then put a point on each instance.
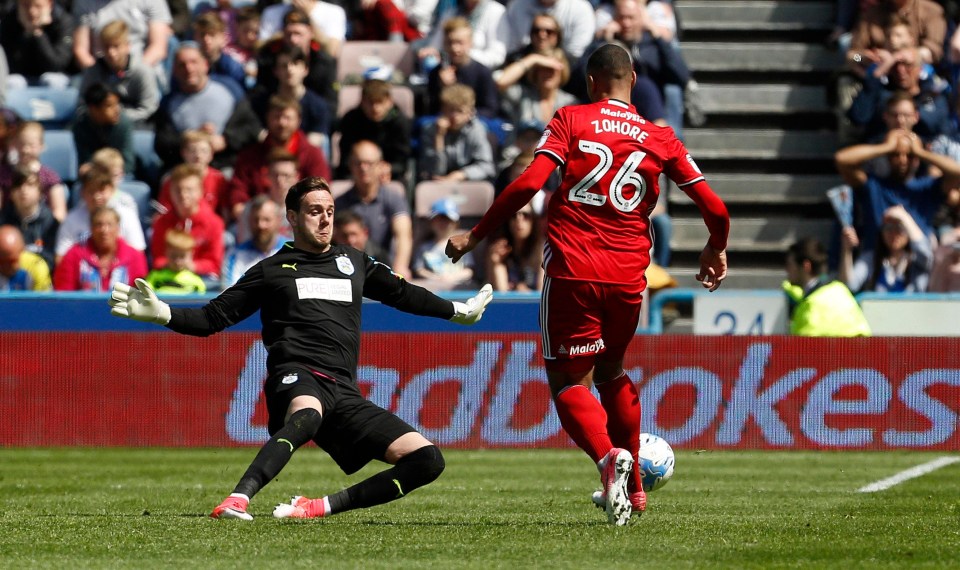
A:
(470, 312)
(139, 303)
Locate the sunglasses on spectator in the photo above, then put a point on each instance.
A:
(538, 30)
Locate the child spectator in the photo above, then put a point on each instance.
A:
(290, 69)
(37, 36)
(101, 260)
(349, 228)
(148, 24)
(228, 15)
(263, 219)
(134, 82)
(110, 160)
(899, 261)
(458, 67)
(102, 124)
(28, 145)
(244, 43)
(197, 149)
(192, 214)
(298, 31)
(26, 211)
(514, 260)
(209, 32)
(98, 188)
(430, 262)
(456, 147)
(177, 276)
(20, 270)
(376, 119)
(486, 19)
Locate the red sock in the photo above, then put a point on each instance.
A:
(621, 401)
(584, 420)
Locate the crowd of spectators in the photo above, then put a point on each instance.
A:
(902, 154)
(243, 100)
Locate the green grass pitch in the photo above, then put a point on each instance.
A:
(146, 508)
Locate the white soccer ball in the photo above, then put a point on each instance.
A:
(656, 461)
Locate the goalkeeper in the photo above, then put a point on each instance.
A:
(309, 296)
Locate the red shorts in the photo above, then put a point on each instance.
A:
(580, 320)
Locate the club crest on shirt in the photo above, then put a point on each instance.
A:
(345, 265)
(543, 138)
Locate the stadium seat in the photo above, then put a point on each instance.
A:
(140, 192)
(356, 57)
(53, 108)
(340, 187)
(60, 154)
(472, 198)
(148, 162)
(349, 97)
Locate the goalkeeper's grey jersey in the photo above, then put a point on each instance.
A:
(310, 306)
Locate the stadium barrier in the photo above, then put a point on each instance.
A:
(74, 376)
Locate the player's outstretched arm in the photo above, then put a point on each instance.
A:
(713, 258)
(514, 197)
(470, 312)
(713, 267)
(460, 244)
(139, 303)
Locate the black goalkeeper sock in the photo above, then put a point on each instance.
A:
(413, 471)
(274, 455)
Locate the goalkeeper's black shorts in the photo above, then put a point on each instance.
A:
(354, 430)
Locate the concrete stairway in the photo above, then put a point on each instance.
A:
(767, 146)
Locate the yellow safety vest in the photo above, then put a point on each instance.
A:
(829, 310)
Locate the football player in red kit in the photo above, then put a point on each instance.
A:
(596, 252)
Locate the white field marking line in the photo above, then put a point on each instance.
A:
(912, 473)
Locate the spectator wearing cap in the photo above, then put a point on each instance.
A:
(199, 103)
(430, 260)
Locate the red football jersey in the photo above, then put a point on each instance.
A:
(598, 221)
